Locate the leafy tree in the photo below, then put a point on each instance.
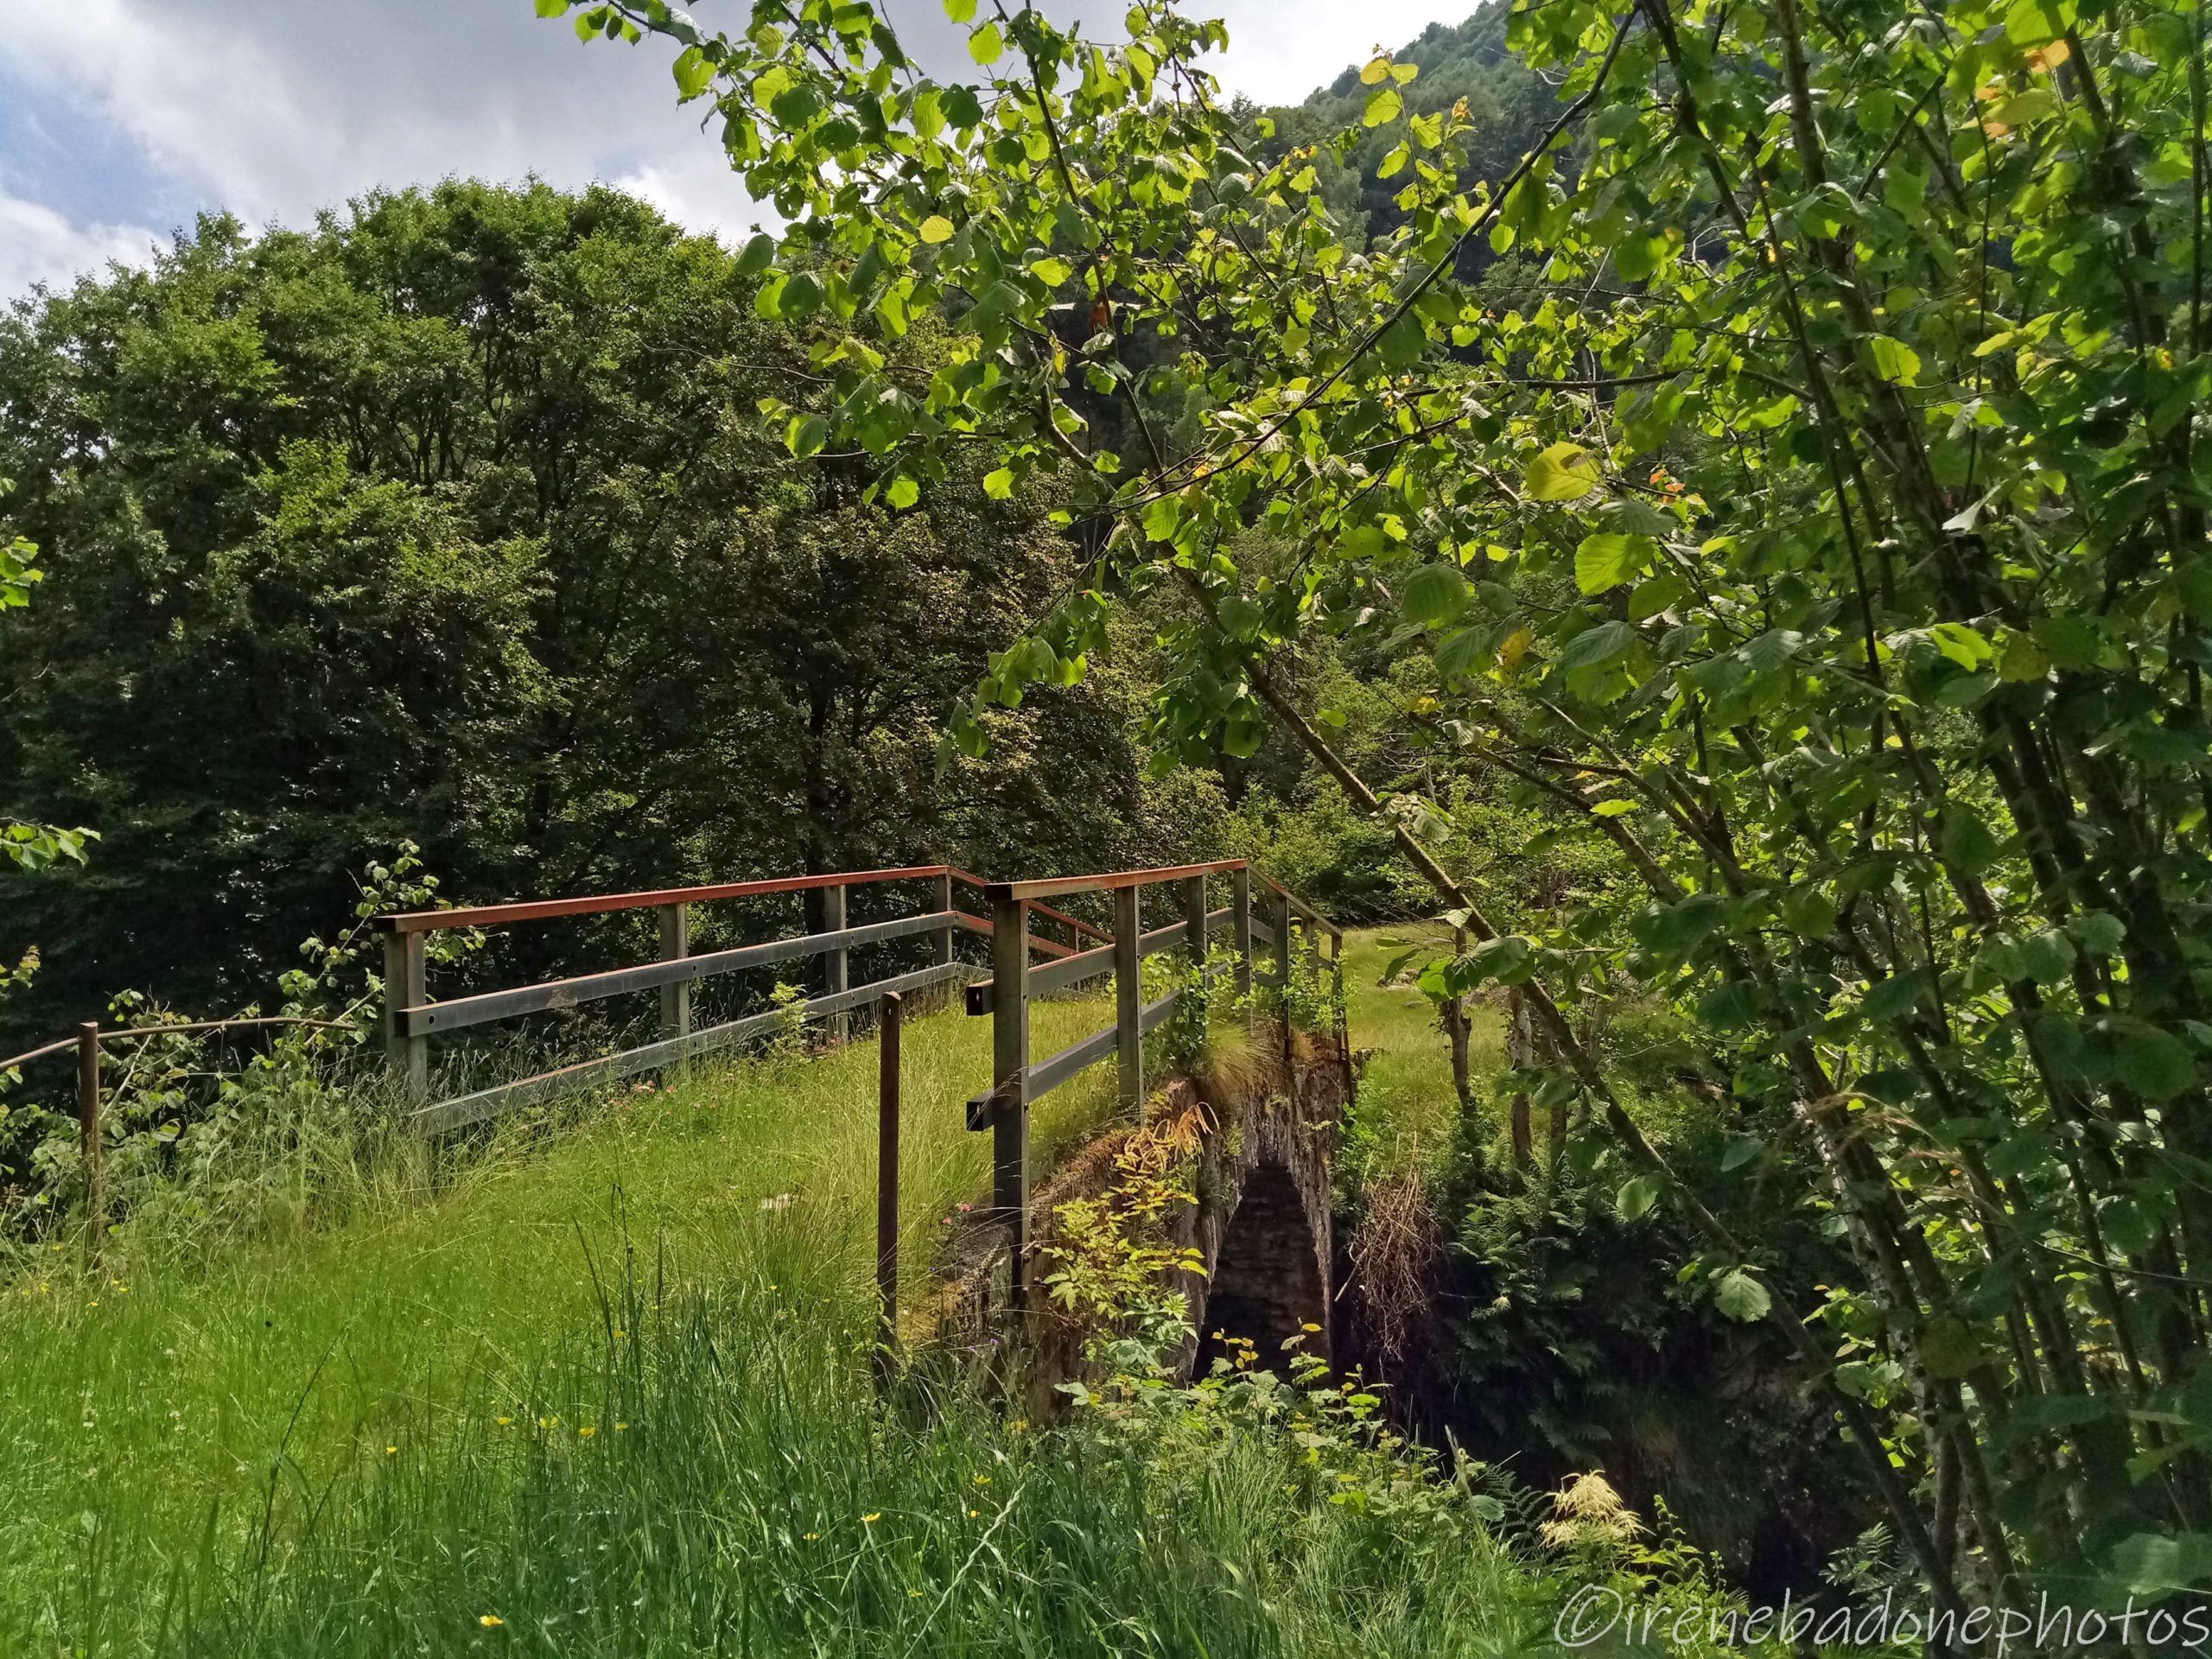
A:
(448, 521)
(1819, 521)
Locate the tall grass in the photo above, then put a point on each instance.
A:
(141, 1395)
(600, 1387)
(706, 1473)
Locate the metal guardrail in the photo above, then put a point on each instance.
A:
(411, 1016)
(1017, 1081)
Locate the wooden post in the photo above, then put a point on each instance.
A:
(675, 942)
(405, 986)
(1194, 916)
(1282, 918)
(1010, 1067)
(941, 899)
(1240, 922)
(834, 961)
(1129, 996)
(886, 1185)
(91, 1135)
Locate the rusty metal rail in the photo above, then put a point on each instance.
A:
(1017, 1081)
(411, 1017)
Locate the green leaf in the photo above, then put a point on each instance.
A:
(802, 297)
(903, 493)
(1637, 1197)
(1403, 342)
(1594, 645)
(758, 253)
(1948, 1348)
(1565, 472)
(2150, 1563)
(1608, 559)
(1459, 652)
(960, 11)
(2155, 1064)
(1240, 618)
(1163, 519)
(806, 435)
(986, 45)
(1769, 650)
(694, 74)
(998, 485)
(1741, 1151)
(1893, 360)
(1740, 1296)
(2038, 22)
(1383, 105)
(1434, 594)
(935, 229)
(2022, 108)
(552, 8)
(1658, 594)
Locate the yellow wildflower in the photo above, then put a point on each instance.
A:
(489, 1621)
(588, 1431)
(392, 1451)
(870, 1520)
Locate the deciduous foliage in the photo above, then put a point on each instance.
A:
(1814, 517)
(449, 521)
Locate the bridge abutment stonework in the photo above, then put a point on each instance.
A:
(1260, 1219)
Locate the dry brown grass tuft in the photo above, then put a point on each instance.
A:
(1395, 1253)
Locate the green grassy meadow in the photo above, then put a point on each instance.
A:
(605, 1391)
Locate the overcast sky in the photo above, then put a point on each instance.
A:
(122, 119)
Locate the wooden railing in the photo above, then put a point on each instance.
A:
(411, 1017)
(1019, 1081)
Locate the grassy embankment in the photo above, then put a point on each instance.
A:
(609, 1395)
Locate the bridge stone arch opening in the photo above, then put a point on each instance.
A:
(1267, 1282)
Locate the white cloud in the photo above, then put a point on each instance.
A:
(38, 244)
(1279, 50)
(273, 109)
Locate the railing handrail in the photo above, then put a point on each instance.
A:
(1000, 892)
(134, 1033)
(530, 910)
(1074, 923)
